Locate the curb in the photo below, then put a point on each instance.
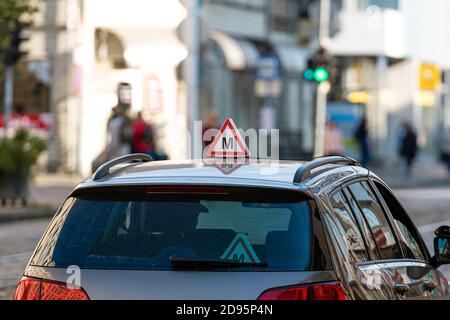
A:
(11, 215)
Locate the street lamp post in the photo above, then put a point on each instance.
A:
(191, 39)
(321, 118)
(324, 87)
(8, 98)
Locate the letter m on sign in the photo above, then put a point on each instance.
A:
(227, 144)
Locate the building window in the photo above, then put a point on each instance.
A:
(285, 15)
(383, 4)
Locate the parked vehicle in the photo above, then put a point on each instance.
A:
(327, 229)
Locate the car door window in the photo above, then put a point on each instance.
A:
(409, 239)
(377, 220)
(363, 225)
(350, 235)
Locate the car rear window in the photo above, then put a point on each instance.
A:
(258, 233)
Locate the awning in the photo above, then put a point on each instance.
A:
(293, 58)
(239, 54)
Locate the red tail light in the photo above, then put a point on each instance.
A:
(38, 289)
(325, 291)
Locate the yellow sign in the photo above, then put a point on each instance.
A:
(361, 97)
(430, 77)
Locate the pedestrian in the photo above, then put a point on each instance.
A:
(445, 149)
(119, 132)
(362, 137)
(143, 137)
(408, 146)
(333, 140)
(210, 128)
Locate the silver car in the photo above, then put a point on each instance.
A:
(321, 230)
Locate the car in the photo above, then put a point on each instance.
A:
(325, 229)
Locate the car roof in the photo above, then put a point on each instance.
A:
(257, 173)
(276, 172)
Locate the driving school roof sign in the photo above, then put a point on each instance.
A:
(228, 142)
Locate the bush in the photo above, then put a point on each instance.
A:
(20, 153)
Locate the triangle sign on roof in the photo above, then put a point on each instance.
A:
(228, 142)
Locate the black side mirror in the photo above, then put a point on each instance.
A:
(442, 246)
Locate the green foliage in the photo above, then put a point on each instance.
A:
(20, 153)
(10, 11)
(14, 10)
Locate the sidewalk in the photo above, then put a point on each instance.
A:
(426, 173)
(47, 193)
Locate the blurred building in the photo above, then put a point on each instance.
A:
(84, 49)
(252, 63)
(389, 56)
(389, 60)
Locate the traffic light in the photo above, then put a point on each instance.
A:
(319, 67)
(12, 51)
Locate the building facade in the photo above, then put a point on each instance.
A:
(89, 47)
(385, 50)
(252, 64)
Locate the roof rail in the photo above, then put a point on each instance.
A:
(304, 172)
(103, 170)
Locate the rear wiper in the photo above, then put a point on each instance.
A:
(182, 263)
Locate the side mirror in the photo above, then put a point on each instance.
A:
(442, 245)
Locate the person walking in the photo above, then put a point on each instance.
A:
(119, 133)
(408, 146)
(362, 137)
(143, 137)
(445, 149)
(210, 128)
(333, 140)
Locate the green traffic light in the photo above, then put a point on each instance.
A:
(309, 74)
(321, 74)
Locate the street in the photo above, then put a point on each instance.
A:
(428, 207)
(18, 241)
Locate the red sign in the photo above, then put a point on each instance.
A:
(228, 142)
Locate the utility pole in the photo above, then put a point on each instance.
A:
(324, 87)
(191, 39)
(321, 118)
(8, 98)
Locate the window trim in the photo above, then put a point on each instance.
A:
(370, 180)
(347, 184)
(349, 193)
(341, 190)
(388, 218)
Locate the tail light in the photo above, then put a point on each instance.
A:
(38, 289)
(187, 189)
(324, 291)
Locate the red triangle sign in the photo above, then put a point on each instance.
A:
(228, 142)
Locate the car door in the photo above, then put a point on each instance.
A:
(419, 269)
(406, 278)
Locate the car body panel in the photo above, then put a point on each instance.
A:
(181, 285)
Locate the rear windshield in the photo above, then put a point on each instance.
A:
(102, 233)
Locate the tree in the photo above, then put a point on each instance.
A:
(11, 11)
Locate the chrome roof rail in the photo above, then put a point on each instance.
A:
(103, 170)
(304, 172)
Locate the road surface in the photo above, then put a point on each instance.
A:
(429, 208)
